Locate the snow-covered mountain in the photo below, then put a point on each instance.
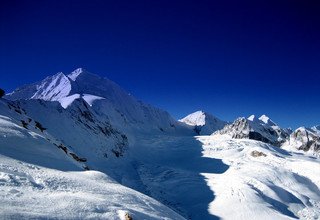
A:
(306, 139)
(103, 95)
(203, 123)
(261, 129)
(83, 139)
(42, 178)
(97, 125)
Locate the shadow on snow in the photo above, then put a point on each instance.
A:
(170, 170)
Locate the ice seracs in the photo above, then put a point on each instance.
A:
(203, 122)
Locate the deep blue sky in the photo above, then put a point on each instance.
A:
(230, 58)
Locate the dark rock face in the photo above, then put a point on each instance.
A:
(2, 93)
(39, 126)
(79, 159)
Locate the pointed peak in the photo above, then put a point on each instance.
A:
(195, 118)
(252, 118)
(265, 119)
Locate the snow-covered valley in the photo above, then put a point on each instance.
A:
(77, 146)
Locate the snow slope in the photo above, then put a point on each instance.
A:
(29, 191)
(262, 182)
(203, 122)
(163, 166)
(52, 88)
(40, 179)
(169, 166)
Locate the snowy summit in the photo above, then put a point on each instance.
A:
(203, 123)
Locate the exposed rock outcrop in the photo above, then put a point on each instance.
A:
(260, 129)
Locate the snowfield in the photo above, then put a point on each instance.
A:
(34, 192)
(39, 180)
(262, 182)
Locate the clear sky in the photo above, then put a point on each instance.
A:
(230, 58)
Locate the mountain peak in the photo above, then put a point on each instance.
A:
(203, 122)
(80, 72)
(252, 118)
(265, 119)
(197, 118)
(262, 119)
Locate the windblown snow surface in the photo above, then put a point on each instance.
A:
(263, 181)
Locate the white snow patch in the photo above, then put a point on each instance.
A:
(197, 118)
(34, 192)
(265, 119)
(90, 99)
(66, 101)
(252, 118)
